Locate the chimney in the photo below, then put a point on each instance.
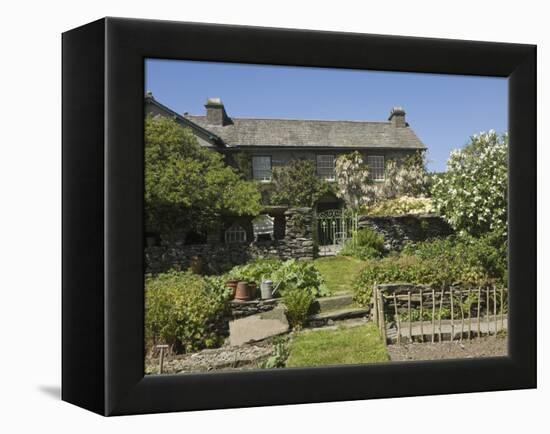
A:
(215, 112)
(397, 117)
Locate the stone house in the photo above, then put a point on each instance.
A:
(274, 142)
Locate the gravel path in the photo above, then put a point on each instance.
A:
(219, 359)
(490, 346)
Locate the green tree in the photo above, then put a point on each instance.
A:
(187, 186)
(472, 194)
(297, 184)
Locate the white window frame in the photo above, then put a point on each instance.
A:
(325, 163)
(235, 234)
(260, 173)
(377, 168)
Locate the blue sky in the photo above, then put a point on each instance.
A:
(443, 110)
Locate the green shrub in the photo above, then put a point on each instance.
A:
(297, 302)
(291, 273)
(296, 184)
(440, 263)
(367, 244)
(255, 271)
(180, 309)
(301, 275)
(280, 354)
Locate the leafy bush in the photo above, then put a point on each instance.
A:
(469, 259)
(288, 274)
(472, 194)
(280, 354)
(255, 271)
(440, 263)
(297, 302)
(366, 244)
(180, 309)
(300, 275)
(400, 206)
(297, 184)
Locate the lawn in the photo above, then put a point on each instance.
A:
(352, 345)
(339, 272)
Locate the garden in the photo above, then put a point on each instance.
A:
(271, 312)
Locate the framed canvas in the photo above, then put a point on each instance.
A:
(105, 235)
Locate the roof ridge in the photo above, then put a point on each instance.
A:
(298, 119)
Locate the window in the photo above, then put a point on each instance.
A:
(325, 167)
(235, 234)
(261, 168)
(376, 167)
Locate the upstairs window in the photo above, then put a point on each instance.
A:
(235, 234)
(261, 167)
(376, 167)
(325, 167)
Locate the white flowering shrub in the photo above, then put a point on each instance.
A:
(472, 194)
(400, 206)
(406, 179)
(352, 181)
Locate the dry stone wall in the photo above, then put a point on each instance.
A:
(215, 258)
(397, 230)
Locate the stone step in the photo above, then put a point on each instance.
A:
(334, 302)
(328, 317)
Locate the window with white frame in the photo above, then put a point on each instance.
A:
(325, 166)
(235, 234)
(261, 167)
(376, 167)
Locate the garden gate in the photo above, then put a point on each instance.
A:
(333, 227)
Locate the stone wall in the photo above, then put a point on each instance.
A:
(241, 309)
(397, 230)
(219, 257)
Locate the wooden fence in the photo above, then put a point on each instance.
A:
(407, 313)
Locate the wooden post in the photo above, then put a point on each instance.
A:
(488, 291)
(375, 307)
(469, 313)
(381, 315)
(161, 358)
(397, 320)
(479, 312)
(433, 316)
(421, 318)
(495, 310)
(409, 315)
(502, 308)
(462, 316)
(440, 309)
(452, 314)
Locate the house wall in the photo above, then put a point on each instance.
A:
(280, 157)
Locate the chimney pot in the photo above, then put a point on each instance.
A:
(215, 112)
(397, 117)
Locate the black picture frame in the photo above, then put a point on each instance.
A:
(103, 235)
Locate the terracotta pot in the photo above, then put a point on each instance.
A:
(252, 289)
(242, 291)
(232, 283)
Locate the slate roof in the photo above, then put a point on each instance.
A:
(250, 132)
(298, 133)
